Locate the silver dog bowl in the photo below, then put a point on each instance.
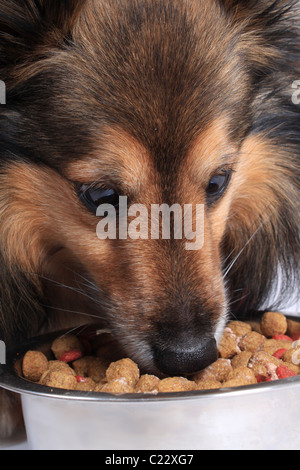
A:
(257, 417)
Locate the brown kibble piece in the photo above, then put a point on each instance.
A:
(64, 344)
(258, 369)
(125, 368)
(238, 382)
(244, 373)
(252, 342)
(240, 328)
(58, 379)
(116, 386)
(34, 365)
(218, 371)
(175, 384)
(265, 359)
(87, 386)
(60, 367)
(293, 329)
(272, 345)
(255, 326)
(208, 384)
(241, 360)
(81, 366)
(273, 323)
(292, 356)
(96, 369)
(240, 377)
(147, 384)
(228, 346)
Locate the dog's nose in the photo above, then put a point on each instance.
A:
(184, 359)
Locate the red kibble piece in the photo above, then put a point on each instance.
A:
(284, 372)
(81, 380)
(282, 338)
(71, 356)
(280, 353)
(296, 337)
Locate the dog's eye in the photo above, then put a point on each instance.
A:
(218, 185)
(93, 196)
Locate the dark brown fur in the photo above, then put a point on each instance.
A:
(151, 96)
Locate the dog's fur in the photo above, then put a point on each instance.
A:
(152, 97)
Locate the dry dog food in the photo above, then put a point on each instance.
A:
(90, 362)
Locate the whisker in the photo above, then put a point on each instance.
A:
(72, 311)
(88, 282)
(74, 289)
(242, 250)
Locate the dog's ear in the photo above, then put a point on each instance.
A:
(268, 31)
(28, 24)
(259, 13)
(34, 16)
(256, 5)
(62, 14)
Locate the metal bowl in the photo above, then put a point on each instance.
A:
(256, 417)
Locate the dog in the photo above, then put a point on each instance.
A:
(164, 102)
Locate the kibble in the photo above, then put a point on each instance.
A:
(248, 355)
(252, 342)
(147, 384)
(273, 323)
(176, 384)
(65, 344)
(35, 364)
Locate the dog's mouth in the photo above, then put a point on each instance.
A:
(164, 337)
(183, 355)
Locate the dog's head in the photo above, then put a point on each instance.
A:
(161, 102)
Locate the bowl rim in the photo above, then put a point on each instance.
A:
(11, 381)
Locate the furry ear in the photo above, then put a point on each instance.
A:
(62, 15)
(268, 18)
(28, 24)
(269, 33)
(17, 17)
(264, 8)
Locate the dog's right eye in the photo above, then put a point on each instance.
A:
(92, 196)
(218, 185)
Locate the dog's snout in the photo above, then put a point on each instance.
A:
(184, 359)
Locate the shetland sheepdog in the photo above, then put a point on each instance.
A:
(165, 102)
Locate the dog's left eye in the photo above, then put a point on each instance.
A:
(93, 196)
(218, 185)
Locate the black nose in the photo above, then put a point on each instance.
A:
(183, 359)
